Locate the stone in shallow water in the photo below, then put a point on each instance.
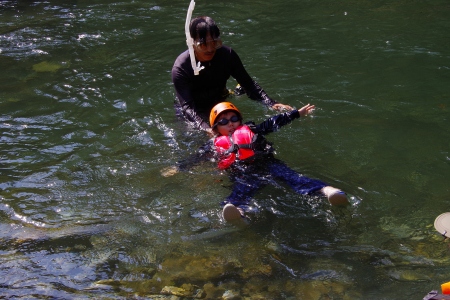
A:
(186, 290)
(231, 295)
(46, 66)
(408, 275)
(173, 290)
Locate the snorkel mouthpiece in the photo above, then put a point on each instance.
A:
(190, 40)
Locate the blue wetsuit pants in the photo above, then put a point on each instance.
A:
(246, 183)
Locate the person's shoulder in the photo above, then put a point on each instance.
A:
(226, 51)
(182, 66)
(226, 54)
(182, 59)
(226, 48)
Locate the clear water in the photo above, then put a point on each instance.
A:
(87, 124)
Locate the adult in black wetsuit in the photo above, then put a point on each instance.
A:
(197, 94)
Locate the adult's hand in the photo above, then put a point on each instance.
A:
(281, 107)
(169, 171)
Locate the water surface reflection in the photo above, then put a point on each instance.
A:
(87, 125)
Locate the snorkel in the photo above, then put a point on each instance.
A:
(190, 40)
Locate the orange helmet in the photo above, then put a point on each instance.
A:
(220, 108)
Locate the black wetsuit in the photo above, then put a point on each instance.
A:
(197, 94)
(265, 169)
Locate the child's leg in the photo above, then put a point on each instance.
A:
(231, 213)
(299, 183)
(335, 196)
(237, 203)
(304, 185)
(244, 188)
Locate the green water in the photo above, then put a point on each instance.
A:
(87, 124)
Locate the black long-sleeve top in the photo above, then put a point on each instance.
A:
(197, 94)
(272, 124)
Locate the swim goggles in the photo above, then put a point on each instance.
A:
(226, 121)
(205, 45)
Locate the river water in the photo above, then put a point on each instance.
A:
(87, 125)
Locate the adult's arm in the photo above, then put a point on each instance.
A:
(253, 90)
(204, 153)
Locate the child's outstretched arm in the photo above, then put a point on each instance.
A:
(274, 123)
(204, 153)
(306, 110)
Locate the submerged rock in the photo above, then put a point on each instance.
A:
(196, 269)
(409, 275)
(231, 295)
(46, 66)
(187, 290)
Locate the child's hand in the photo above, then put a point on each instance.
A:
(169, 171)
(307, 109)
(210, 132)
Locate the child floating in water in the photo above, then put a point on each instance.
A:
(243, 150)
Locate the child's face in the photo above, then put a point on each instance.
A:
(230, 127)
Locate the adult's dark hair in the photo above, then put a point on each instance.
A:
(200, 27)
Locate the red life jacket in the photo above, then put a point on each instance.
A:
(237, 146)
